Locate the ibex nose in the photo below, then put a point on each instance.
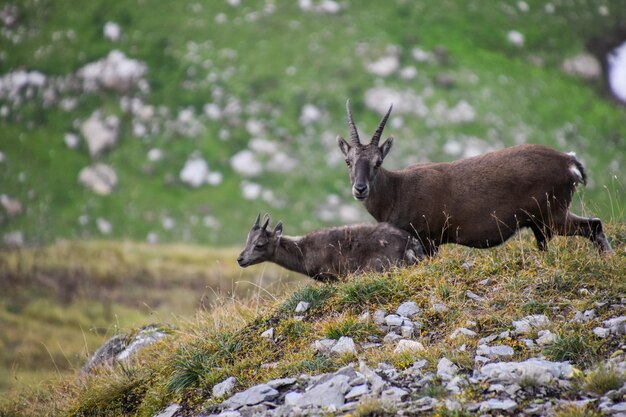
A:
(360, 188)
(240, 260)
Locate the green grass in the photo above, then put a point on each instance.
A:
(514, 98)
(225, 340)
(603, 379)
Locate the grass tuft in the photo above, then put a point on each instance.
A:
(603, 379)
(578, 349)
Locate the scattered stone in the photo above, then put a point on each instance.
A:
(104, 226)
(391, 337)
(268, 334)
(515, 38)
(383, 67)
(251, 396)
(324, 345)
(14, 239)
(407, 331)
(100, 133)
(410, 346)
(462, 331)
(393, 395)
(446, 369)
(71, 140)
(601, 332)
(583, 65)
(539, 370)
(293, 398)
(114, 72)
(395, 320)
(330, 393)
(529, 323)
(12, 206)
(344, 346)
(408, 309)
(281, 382)
(112, 31)
(302, 307)
(507, 405)
(473, 296)
(224, 388)
(245, 163)
(617, 72)
(583, 317)
(495, 351)
(439, 308)
(546, 337)
(195, 171)
(616, 326)
(379, 317)
(99, 178)
(357, 391)
(122, 346)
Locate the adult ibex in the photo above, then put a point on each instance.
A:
(326, 254)
(478, 202)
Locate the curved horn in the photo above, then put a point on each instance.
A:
(256, 222)
(381, 126)
(354, 134)
(266, 221)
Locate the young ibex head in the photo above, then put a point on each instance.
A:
(261, 244)
(364, 160)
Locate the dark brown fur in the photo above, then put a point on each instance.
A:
(478, 202)
(326, 254)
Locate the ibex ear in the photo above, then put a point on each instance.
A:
(343, 145)
(386, 147)
(278, 230)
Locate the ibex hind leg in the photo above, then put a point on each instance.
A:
(542, 234)
(588, 227)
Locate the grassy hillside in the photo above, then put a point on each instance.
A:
(262, 75)
(226, 341)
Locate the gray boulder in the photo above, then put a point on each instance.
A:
(100, 133)
(99, 178)
(252, 396)
(541, 371)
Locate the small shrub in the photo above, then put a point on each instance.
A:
(315, 365)
(603, 379)
(372, 408)
(379, 290)
(574, 411)
(190, 367)
(577, 349)
(314, 295)
(349, 327)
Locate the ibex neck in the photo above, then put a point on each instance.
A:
(378, 204)
(289, 255)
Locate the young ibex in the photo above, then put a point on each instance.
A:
(326, 254)
(478, 202)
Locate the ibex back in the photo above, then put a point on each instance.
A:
(478, 202)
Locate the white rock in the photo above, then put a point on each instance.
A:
(472, 296)
(310, 114)
(379, 317)
(446, 369)
(168, 223)
(493, 351)
(384, 66)
(408, 73)
(112, 31)
(195, 171)
(395, 320)
(506, 405)
(391, 337)
(539, 370)
(357, 391)
(302, 307)
(515, 38)
(14, 239)
(71, 140)
(268, 334)
(293, 398)
(408, 309)
(408, 346)
(251, 190)
(617, 72)
(330, 393)
(464, 332)
(2, 157)
(104, 226)
(214, 178)
(393, 395)
(407, 331)
(420, 55)
(115, 72)
(12, 206)
(324, 345)
(246, 164)
(251, 396)
(528, 323)
(344, 346)
(100, 134)
(99, 178)
(224, 388)
(583, 65)
(155, 155)
(546, 337)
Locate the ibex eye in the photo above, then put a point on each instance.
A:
(379, 163)
(259, 245)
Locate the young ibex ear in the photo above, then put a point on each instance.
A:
(343, 145)
(278, 230)
(386, 147)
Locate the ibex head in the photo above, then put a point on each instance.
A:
(261, 243)
(364, 160)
